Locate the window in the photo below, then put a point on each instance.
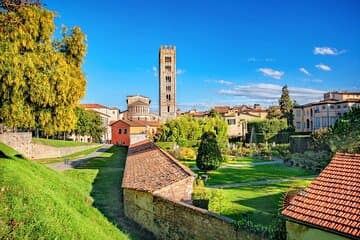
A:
(168, 108)
(345, 106)
(298, 112)
(119, 130)
(231, 122)
(316, 110)
(332, 121)
(317, 122)
(307, 123)
(168, 88)
(168, 59)
(323, 107)
(168, 79)
(324, 122)
(298, 124)
(332, 106)
(125, 131)
(338, 106)
(168, 68)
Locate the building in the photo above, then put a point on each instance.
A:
(323, 114)
(330, 207)
(139, 109)
(167, 83)
(238, 117)
(126, 132)
(107, 115)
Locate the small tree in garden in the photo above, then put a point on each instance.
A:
(209, 155)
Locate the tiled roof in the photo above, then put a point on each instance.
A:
(332, 201)
(137, 123)
(93, 105)
(148, 168)
(221, 109)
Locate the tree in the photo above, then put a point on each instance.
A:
(41, 79)
(89, 124)
(286, 105)
(274, 112)
(209, 155)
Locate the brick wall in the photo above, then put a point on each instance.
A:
(169, 219)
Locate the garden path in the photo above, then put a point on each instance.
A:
(61, 166)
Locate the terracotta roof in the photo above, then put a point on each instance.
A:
(148, 168)
(221, 109)
(93, 105)
(137, 123)
(332, 201)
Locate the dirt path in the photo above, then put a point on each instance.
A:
(61, 166)
(267, 181)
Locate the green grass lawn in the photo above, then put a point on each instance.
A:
(246, 160)
(39, 203)
(188, 162)
(258, 202)
(255, 173)
(60, 143)
(69, 157)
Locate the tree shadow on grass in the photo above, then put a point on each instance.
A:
(107, 192)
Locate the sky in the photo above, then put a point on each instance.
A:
(228, 52)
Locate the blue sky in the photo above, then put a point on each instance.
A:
(228, 52)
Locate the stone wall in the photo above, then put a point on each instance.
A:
(169, 219)
(22, 142)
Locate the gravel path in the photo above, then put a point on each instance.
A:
(61, 166)
(268, 181)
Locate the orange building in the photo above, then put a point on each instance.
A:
(126, 132)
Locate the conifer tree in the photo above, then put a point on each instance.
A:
(209, 155)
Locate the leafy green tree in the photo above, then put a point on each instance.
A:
(41, 79)
(286, 106)
(268, 128)
(89, 124)
(209, 155)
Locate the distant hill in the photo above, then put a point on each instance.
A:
(39, 203)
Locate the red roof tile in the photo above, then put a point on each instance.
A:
(137, 123)
(93, 105)
(332, 201)
(148, 168)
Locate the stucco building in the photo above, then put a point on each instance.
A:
(167, 83)
(107, 115)
(127, 132)
(323, 114)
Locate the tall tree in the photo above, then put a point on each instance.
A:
(274, 112)
(41, 79)
(209, 155)
(286, 105)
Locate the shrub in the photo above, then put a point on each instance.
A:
(186, 153)
(209, 155)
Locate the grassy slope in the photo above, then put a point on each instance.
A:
(39, 203)
(69, 157)
(60, 143)
(255, 173)
(258, 202)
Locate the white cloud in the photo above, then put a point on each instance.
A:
(317, 80)
(327, 51)
(306, 72)
(323, 67)
(180, 71)
(155, 72)
(270, 93)
(271, 73)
